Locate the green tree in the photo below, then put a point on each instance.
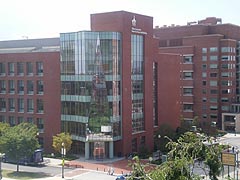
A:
(61, 138)
(3, 127)
(160, 141)
(138, 170)
(213, 161)
(191, 147)
(182, 156)
(19, 142)
(172, 170)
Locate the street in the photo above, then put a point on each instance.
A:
(49, 170)
(91, 175)
(231, 139)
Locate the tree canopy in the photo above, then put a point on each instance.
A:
(19, 142)
(3, 127)
(62, 138)
(182, 156)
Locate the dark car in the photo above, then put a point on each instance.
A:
(121, 177)
(35, 159)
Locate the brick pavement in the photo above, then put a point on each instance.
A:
(120, 166)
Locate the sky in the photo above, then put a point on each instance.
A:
(32, 19)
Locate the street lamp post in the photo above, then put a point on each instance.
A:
(63, 152)
(159, 152)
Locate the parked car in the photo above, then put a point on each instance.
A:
(35, 159)
(121, 177)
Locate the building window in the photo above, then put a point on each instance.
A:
(226, 83)
(226, 66)
(213, 108)
(134, 145)
(213, 58)
(40, 125)
(204, 67)
(12, 121)
(187, 59)
(225, 74)
(213, 100)
(30, 87)
(204, 50)
(20, 84)
(225, 58)
(204, 83)
(20, 105)
(204, 74)
(39, 87)
(40, 108)
(213, 66)
(226, 91)
(204, 58)
(2, 118)
(11, 86)
(204, 91)
(204, 108)
(29, 68)
(29, 119)
(213, 91)
(2, 86)
(39, 66)
(30, 106)
(188, 91)
(213, 49)
(143, 141)
(187, 75)
(225, 108)
(204, 116)
(20, 120)
(11, 104)
(213, 116)
(2, 69)
(213, 83)
(137, 60)
(204, 99)
(213, 74)
(225, 49)
(155, 94)
(20, 69)
(11, 69)
(137, 86)
(224, 100)
(187, 107)
(2, 105)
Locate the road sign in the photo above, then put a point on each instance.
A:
(229, 159)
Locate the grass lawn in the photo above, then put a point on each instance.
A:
(22, 175)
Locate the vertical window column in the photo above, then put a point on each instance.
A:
(137, 60)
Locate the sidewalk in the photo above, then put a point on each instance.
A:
(120, 166)
(80, 166)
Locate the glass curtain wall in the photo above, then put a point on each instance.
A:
(90, 80)
(137, 59)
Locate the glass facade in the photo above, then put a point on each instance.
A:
(137, 59)
(90, 90)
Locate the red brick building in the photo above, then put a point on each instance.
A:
(30, 85)
(110, 88)
(209, 68)
(139, 85)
